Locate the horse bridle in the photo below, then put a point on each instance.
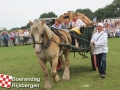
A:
(37, 42)
(43, 45)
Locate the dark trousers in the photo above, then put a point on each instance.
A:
(26, 40)
(101, 62)
(6, 42)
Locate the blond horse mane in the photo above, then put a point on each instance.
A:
(48, 31)
(43, 27)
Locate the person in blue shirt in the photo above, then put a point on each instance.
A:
(6, 38)
(57, 24)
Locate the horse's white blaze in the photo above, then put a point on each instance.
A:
(36, 38)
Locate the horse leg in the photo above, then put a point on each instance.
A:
(55, 76)
(62, 60)
(66, 74)
(47, 85)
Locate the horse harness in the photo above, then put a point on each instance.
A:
(43, 45)
(48, 43)
(61, 36)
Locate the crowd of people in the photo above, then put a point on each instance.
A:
(14, 38)
(22, 37)
(112, 28)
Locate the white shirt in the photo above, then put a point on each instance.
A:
(21, 34)
(117, 30)
(78, 23)
(100, 44)
(26, 34)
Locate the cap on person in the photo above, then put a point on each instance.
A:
(100, 24)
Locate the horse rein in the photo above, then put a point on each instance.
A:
(48, 43)
(43, 45)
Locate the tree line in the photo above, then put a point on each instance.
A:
(109, 11)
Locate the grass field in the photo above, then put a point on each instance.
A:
(21, 62)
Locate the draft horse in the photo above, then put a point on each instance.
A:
(47, 48)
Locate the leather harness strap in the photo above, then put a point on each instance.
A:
(46, 45)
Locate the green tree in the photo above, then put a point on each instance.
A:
(28, 25)
(99, 13)
(48, 15)
(109, 11)
(23, 27)
(15, 28)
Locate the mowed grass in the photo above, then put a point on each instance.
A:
(21, 62)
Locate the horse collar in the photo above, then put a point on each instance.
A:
(47, 44)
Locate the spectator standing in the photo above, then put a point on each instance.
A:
(10, 40)
(6, 38)
(0, 38)
(21, 37)
(16, 39)
(119, 31)
(13, 37)
(26, 37)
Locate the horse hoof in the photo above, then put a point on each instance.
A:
(56, 79)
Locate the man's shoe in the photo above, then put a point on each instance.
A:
(102, 75)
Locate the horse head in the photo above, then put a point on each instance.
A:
(41, 34)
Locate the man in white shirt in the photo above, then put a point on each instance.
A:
(26, 37)
(99, 41)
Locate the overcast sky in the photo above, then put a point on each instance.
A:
(17, 13)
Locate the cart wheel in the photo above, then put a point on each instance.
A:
(94, 63)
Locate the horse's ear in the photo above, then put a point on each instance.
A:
(43, 21)
(31, 23)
